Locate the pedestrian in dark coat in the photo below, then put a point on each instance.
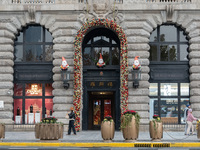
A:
(71, 121)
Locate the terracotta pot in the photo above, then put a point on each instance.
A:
(131, 131)
(156, 133)
(2, 131)
(107, 130)
(52, 131)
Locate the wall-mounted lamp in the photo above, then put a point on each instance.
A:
(65, 74)
(136, 72)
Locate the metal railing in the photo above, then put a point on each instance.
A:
(173, 126)
(167, 1)
(33, 1)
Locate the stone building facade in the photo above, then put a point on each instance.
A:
(64, 18)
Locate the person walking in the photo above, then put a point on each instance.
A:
(190, 119)
(71, 121)
(185, 117)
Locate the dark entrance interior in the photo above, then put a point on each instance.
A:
(101, 104)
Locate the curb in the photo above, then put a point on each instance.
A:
(50, 144)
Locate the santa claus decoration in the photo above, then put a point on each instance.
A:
(136, 64)
(64, 65)
(101, 63)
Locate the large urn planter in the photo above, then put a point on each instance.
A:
(130, 125)
(155, 130)
(49, 131)
(107, 130)
(2, 131)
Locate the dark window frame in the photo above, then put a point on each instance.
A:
(43, 43)
(177, 43)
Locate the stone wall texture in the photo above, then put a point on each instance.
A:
(138, 18)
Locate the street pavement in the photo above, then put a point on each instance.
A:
(95, 137)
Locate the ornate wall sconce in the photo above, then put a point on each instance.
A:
(136, 72)
(65, 73)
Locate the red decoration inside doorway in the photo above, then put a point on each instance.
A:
(77, 97)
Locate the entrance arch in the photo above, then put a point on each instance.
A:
(77, 97)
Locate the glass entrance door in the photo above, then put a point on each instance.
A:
(101, 105)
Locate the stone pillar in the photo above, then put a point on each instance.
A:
(6, 72)
(137, 35)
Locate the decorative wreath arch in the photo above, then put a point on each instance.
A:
(78, 64)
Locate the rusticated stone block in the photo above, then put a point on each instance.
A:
(6, 77)
(62, 92)
(142, 84)
(138, 107)
(63, 47)
(6, 55)
(137, 32)
(68, 25)
(138, 99)
(195, 69)
(67, 55)
(195, 84)
(64, 32)
(64, 39)
(194, 61)
(63, 100)
(142, 54)
(194, 99)
(194, 54)
(6, 48)
(195, 77)
(6, 85)
(6, 62)
(137, 39)
(138, 47)
(7, 69)
(195, 92)
(139, 91)
(6, 114)
(143, 62)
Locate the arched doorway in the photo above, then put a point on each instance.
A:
(33, 77)
(101, 94)
(78, 85)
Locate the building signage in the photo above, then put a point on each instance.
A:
(99, 84)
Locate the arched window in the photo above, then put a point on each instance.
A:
(169, 73)
(102, 41)
(33, 98)
(168, 43)
(34, 44)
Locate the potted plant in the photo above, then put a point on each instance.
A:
(108, 128)
(156, 128)
(2, 130)
(130, 121)
(49, 129)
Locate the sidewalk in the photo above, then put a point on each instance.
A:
(94, 139)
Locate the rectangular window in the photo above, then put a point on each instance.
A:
(153, 107)
(173, 52)
(185, 91)
(183, 52)
(169, 110)
(184, 102)
(164, 53)
(169, 89)
(48, 107)
(33, 111)
(153, 53)
(87, 56)
(18, 53)
(18, 89)
(48, 89)
(153, 89)
(33, 89)
(18, 111)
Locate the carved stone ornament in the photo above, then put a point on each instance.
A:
(31, 12)
(170, 11)
(100, 9)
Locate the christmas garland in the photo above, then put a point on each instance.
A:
(78, 64)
